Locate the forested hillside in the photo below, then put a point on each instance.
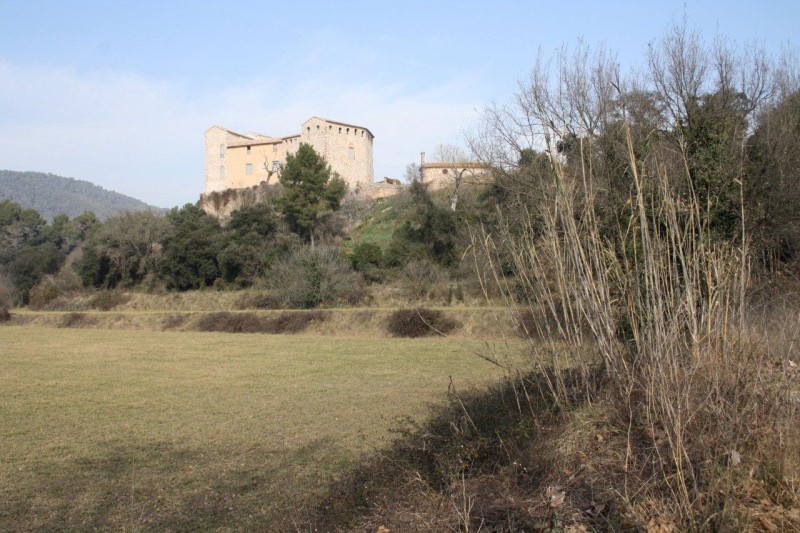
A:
(51, 195)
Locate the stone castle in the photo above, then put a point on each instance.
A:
(239, 166)
(240, 161)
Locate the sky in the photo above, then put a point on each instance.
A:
(119, 93)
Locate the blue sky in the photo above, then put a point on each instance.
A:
(120, 92)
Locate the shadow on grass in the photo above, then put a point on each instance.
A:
(162, 486)
(475, 436)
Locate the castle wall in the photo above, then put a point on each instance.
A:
(261, 158)
(346, 148)
(217, 168)
(442, 175)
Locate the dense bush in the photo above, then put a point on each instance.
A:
(367, 258)
(420, 323)
(430, 232)
(311, 277)
(5, 315)
(190, 250)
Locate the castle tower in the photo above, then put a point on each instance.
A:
(346, 147)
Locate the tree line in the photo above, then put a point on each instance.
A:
(291, 243)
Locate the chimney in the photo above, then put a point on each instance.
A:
(421, 158)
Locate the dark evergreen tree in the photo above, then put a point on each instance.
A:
(310, 191)
(190, 250)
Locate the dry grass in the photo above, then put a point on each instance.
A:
(138, 430)
(474, 323)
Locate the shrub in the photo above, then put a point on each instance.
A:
(294, 322)
(288, 322)
(43, 293)
(5, 316)
(107, 300)
(367, 258)
(422, 279)
(419, 323)
(230, 323)
(311, 277)
(74, 320)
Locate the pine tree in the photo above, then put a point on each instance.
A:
(310, 191)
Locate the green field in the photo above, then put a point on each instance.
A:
(128, 429)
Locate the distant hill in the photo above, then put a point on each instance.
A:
(51, 195)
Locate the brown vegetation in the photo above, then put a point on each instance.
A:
(286, 322)
(107, 300)
(420, 323)
(661, 397)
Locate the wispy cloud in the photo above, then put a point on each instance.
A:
(143, 137)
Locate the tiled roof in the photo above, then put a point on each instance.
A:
(256, 142)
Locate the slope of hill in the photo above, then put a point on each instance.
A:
(51, 195)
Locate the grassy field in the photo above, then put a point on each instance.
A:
(130, 429)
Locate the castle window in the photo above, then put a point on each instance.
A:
(362, 133)
(308, 129)
(249, 150)
(222, 172)
(275, 147)
(317, 126)
(340, 130)
(222, 150)
(276, 166)
(248, 169)
(351, 153)
(330, 127)
(348, 131)
(444, 171)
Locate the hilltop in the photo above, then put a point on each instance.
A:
(51, 195)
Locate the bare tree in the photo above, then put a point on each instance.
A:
(456, 165)
(413, 173)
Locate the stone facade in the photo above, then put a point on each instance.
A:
(237, 161)
(442, 174)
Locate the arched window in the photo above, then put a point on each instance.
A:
(222, 150)
(222, 172)
(248, 169)
(351, 153)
